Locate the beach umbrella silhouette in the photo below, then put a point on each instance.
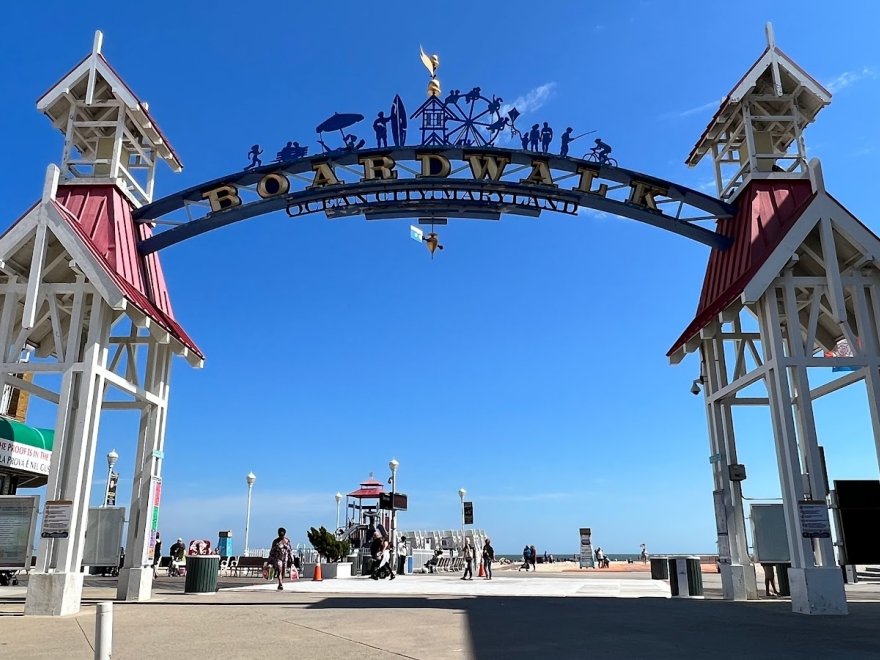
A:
(338, 122)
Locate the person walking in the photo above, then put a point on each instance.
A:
(488, 558)
(157, 553)
(770, 588)
(468, 553)
(401, 555)
(280, 556)
(533, 558)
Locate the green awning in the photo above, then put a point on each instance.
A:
(26, 435)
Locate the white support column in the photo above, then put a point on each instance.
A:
(56, 588)
(136, 577)
(7, 316)
(806, 423)
(737, 577)
(867, 305)
(814, 590)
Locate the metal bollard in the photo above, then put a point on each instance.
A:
(104, 631)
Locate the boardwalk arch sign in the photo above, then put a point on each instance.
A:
(86, 321)
(433, 185)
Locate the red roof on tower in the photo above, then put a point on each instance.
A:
(767, 210)
(101, 216)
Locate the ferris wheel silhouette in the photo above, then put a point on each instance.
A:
(475, 119)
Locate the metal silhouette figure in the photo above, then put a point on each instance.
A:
(599, 154)
(291, 151)
(473, 96)
(496, 128)
(398, 122)
(254, 155)
(534, 137)
(469, 122)
(338, 122)
(524, 138)
(453, 97)
(565, 139)
(379, 126)
(546, 137)
(495, 105)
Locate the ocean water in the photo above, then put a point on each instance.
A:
(572, 555)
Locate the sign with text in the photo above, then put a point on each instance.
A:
(468, 513)
(815, 523)
(586, 559)
(16, 456)
(18, 522)
(56, 519)
(400, 501)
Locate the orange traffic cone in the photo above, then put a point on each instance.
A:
(318, 577)
(482, 572)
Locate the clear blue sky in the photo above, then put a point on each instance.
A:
(527, 361)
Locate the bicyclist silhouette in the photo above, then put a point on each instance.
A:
(599, 154)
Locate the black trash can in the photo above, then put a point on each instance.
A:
(659, 568)
(685, 577)
(201, 574)
(781, 571)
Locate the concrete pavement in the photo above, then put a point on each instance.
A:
(321, 621)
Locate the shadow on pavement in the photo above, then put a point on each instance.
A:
(537, 627)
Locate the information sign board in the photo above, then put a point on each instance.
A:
(56, 519)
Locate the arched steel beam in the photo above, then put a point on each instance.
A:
(437, 197)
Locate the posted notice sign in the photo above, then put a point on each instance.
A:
(18, 520)
(56, 519)
(586, 559)
(814, 519)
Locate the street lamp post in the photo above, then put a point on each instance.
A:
(393, 464)
(250, 478)
(461, 493)
(112, 457)
(338, 500)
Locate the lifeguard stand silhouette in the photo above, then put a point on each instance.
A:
(801, 277)
(93, 315)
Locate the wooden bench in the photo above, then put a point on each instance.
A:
(249, 566)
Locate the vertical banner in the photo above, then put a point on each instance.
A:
(155, 497)
(586, 548)
(468, 513)
(111, 489)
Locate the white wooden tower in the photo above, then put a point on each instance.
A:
(93, 315)
(801, 280)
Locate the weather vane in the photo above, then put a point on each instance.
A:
(432, 63)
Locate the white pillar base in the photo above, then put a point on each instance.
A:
(817, 591)
(53, 594)
(135, 584)
(738, 582)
